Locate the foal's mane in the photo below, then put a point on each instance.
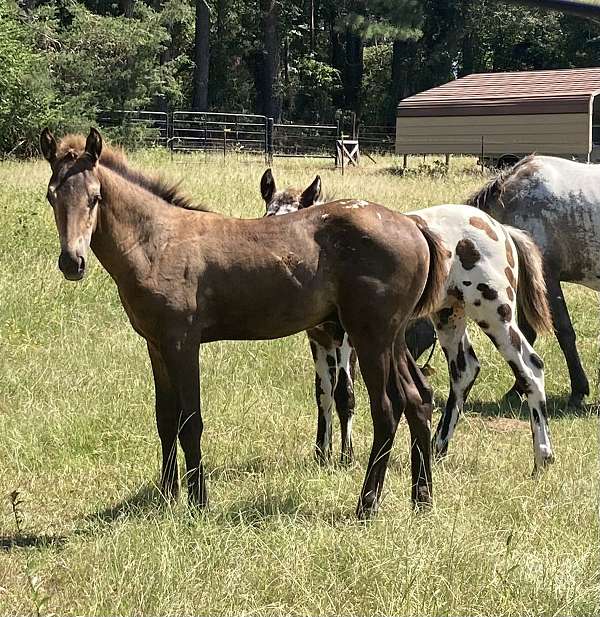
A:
(114, 158)
(494, 188)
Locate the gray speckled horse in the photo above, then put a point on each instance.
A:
(558, 203)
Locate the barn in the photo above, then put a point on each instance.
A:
(505, 116)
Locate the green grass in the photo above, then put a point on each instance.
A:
(77, 439)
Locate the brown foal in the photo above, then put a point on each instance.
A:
(186, 277)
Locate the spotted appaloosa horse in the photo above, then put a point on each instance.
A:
(558, 203)
(484, 262)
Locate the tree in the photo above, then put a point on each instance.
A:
(268, 66)
(27, 99)
(201, 56)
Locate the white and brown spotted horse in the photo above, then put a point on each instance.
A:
(485, 261)
(558, 203)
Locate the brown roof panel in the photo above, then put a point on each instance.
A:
(523, 92)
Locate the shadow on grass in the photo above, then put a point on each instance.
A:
(510, 406)
(8, 543)
(145, 500)
(259, 510)
(260, 466)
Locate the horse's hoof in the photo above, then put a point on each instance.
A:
(439, 452)
(198, 500)
(545, 461)
(367, 508)
(323, 458)
(423, 502)
(576, 400)
(169, 493)
(347, 460)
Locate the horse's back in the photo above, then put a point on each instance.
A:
(558, 202)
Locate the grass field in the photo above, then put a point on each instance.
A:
(78, 441)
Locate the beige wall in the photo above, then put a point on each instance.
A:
(542, 133)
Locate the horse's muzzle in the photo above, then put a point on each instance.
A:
(72, 266)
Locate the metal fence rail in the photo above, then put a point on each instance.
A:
(232, 132)
(218, 131)
(375, 138)
(156, 124)
(304, 140)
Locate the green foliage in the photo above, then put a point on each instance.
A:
(63, 60)
(376, 79)
(386, 20)
(26, 95)
(106, 62)
(314, 86)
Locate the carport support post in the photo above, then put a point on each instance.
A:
(481, 157)
(405, 161)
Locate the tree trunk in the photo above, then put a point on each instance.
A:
(269, 60)
(403, 56)
(468, 55)
(201, 56)
(311, 23)
(336, 49)
(126, 7)
(353, 71)
(219, 55)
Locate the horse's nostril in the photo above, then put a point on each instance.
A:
(72, 266)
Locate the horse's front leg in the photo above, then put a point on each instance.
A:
(344, 397)
(167, 415)
(183, 364)
(325, 382)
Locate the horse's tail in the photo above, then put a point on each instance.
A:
(531, 288)
(436, 277)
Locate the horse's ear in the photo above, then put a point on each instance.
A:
(93, 145)
(312, 194)
(267, 186)
(48, 145)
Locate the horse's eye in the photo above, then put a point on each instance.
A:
(94, 201)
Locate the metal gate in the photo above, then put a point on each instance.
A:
(310, 140)
(193, 130)
(156, 123)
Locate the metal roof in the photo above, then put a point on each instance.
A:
(519, 92)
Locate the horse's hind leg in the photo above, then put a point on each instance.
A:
(565, 334)
(463, 368)
(375, 358)
(528, 370)
(418, 415)
(531, 335)
(344, 397)
(167, 414)
(326, 371)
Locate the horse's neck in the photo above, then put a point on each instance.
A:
(129, 221)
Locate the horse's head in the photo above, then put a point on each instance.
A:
(290, 199)
(73, 193)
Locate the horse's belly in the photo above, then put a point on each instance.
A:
(264, 314)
